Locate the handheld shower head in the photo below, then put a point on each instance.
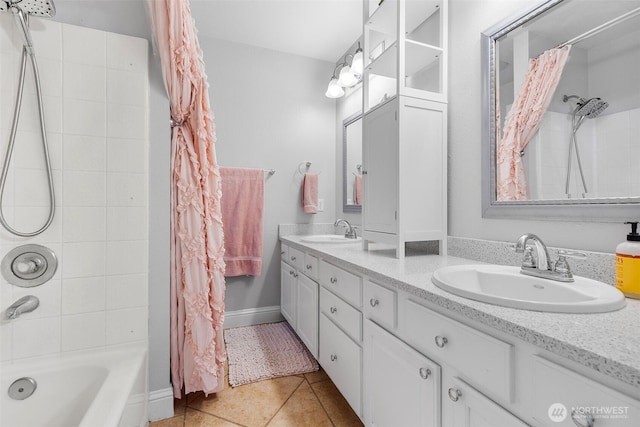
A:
(43, 8)
(21, 10)
(591, 108)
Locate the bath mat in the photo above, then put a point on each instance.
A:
(265, 351)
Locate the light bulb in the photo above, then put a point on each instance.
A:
(357, 65)
(334, 90)
(347, 78)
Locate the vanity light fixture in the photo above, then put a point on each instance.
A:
(349, 75)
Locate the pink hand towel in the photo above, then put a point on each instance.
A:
(310, 193)
(358, 188)
(242, 206)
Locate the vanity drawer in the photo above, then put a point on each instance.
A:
(296, 258)
(341, 358)
(485, 361)
(554, 384)
(311, 266)
(342, 314)
(284, 252)
(342, 283)
(379, 304)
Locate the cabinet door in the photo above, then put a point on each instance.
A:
(307, 311)
(464, 406)
(380, 150)
(288, 293)
(401, 386)
(341, 358)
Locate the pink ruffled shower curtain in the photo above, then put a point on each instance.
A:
(523, 120)
(197, 250)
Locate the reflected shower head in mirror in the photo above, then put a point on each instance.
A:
(590, 108)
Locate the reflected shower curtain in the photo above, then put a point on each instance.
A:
(523, 120)
(197, 266)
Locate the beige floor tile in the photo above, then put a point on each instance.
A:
(338, 409)
(200, 419)
(251, 405)
(169, 422)
(317, 376)
(301, 410)
(179, 406)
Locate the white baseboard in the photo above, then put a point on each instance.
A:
(161, 404)
(252, 316)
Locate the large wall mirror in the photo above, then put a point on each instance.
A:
(582, 159)
(352, 182)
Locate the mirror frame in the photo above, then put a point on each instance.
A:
(595, 210)
(346, 122)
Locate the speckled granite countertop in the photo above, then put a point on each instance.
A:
(608, 342)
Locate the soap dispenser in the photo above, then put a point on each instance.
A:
(628, 263)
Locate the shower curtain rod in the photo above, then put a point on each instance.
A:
(600, 28)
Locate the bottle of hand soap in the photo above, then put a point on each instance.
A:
(628, 263)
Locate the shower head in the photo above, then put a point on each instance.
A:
(591, 108)
(43, 8)
(21, 10)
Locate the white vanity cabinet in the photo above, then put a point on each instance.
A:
(465, 406)
(299, 295)
(341, 331)
(401, 386)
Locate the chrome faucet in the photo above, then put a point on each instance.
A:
(540, 265)
(350, 233)
(23, 305)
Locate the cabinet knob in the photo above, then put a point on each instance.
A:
(333, 310)
(424, 373)
(334, 357)
(291, 272)
(582, 420)
(333, 280)
(454, 394)
(295, 274)
(374, 302)
(441, 341)
(281, 252)
(308, 266)
(293, 258)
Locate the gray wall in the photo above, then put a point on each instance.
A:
(271, 113)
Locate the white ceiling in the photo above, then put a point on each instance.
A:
(321, 29)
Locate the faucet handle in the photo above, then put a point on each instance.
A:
(571, 254)
(528, 260)
(561, 265)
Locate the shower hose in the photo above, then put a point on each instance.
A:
(12, 139)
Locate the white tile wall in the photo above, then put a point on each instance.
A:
(96, 102)
(609, 149)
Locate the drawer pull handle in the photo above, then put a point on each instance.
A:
(582, 420)
(295, 274)
(281, 252)
(333, 310)
(291, 272)
(424, 373)
(334, 357)
(293, 258)
(454, 394)
(374, 302)
(308, 266)
(333, 280)
(441, 341)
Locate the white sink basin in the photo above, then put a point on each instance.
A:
(506, 286)
(329, 238)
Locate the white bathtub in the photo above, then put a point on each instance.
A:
(106, 388)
